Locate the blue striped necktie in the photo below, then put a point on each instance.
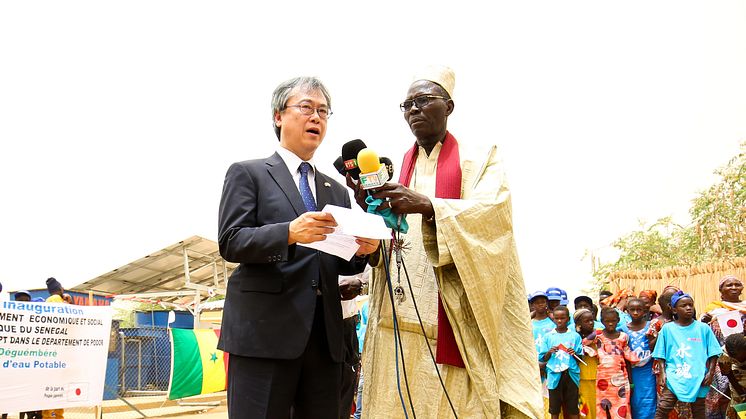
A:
(305, 189)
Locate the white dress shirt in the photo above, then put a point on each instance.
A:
(293, 163)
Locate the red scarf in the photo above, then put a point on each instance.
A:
(448, 186)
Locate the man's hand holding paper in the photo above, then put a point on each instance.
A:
(311, 227)
(343, 232)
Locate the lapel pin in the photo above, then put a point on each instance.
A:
(327, 184)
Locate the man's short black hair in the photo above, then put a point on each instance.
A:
(562, 308)
(583, 298)
(665, 299)
(608, 311)
(635, 299)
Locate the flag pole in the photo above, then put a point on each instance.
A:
(580, 360)
(724, 395)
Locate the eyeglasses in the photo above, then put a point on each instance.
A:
(307, 109)
(420, 101)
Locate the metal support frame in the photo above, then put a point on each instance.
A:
(123, 368)
(219, 269)
(199, 288)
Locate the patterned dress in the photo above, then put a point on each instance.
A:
(612, 382)
(643, 399)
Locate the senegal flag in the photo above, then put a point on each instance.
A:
(197, 366)
(740, 410)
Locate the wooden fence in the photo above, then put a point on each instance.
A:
(701, 281)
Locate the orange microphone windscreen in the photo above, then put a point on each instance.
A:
(367, 161)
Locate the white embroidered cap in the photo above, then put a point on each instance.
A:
(439, 74)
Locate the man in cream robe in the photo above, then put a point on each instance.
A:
(465, 249)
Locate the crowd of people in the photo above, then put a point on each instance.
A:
(292, 342)
(644, 355)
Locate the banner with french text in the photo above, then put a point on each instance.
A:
(52, 356)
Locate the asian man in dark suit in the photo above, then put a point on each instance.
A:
(282, 321)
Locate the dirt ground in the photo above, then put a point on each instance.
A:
(219, 412)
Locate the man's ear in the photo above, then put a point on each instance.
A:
(278, 119)
(450, 105)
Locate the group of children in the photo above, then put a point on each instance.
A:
(634, 360)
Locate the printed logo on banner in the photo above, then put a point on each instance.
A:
(77, 392)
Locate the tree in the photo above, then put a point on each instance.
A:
(719, 213)
(717, 231)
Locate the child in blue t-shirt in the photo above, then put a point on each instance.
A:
(541, 323)
(687, 351)
(558, 349)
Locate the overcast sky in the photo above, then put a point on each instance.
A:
(119, 119)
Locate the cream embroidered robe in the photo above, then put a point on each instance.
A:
(471, 251)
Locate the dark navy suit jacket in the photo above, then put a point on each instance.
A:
(272, 295)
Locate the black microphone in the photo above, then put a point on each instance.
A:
(349, 157)
(340, 166)
(389, 166)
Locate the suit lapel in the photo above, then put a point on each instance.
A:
(323, 190)
(280, 173)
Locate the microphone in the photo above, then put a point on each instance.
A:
(350, 151)
(389, 166)
(340, 166)
(373, 174)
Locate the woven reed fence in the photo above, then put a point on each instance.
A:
(701, 281)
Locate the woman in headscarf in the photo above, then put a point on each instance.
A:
(648, 297)
(730, 287)
(618, 301)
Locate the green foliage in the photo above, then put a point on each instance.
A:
(153, 307)
(650, 247)
(216, 297)
(719, 213)
(124, 311)
(126, 317)
(717, 230)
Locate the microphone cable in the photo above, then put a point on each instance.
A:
(400, 263)
(397, 339)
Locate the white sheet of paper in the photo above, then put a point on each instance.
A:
(336, 244)
(350, 223)
(358, 223)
